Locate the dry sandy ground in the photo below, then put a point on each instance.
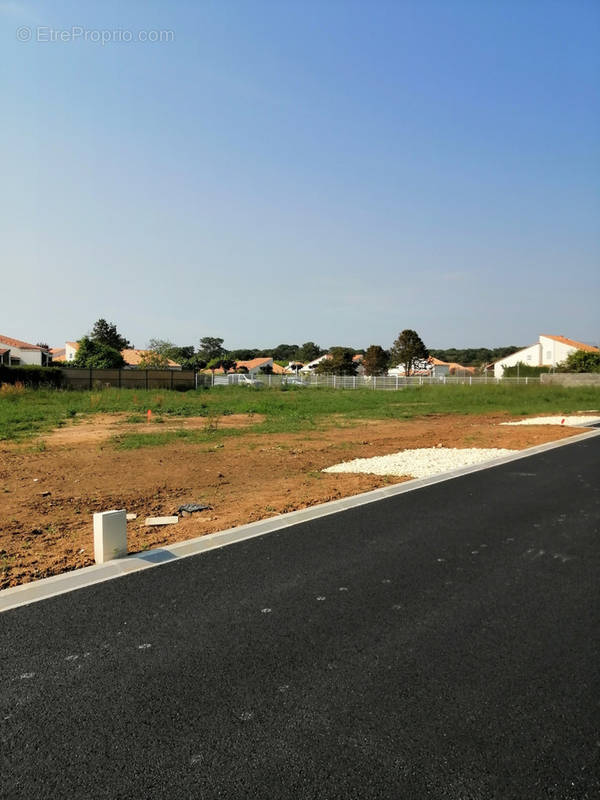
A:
(47, 497)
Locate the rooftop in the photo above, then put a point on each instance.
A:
(589, 348)
(18, 343)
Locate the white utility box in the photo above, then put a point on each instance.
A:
(110, 535)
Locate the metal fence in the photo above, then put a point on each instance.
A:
(383, 382)
(190, 379)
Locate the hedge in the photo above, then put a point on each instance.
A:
(32, 376)
(524, 371)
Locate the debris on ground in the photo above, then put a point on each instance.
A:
(192, 508)
(162, 520)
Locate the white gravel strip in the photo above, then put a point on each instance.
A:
(421, 463)
(579, 421)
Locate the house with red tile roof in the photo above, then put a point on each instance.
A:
(58, 355)
(453, 368)
(253, 366)
(17, 352)
(548, 351)
(132, 357)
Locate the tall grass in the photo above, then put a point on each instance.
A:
(33, 411)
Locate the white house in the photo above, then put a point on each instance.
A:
(15, 353)
(60, 355)
(429, 367)
(312, 365)
(548, 351)
(293, 367)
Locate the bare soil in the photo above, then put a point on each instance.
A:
(47, 497)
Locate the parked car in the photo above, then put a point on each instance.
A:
(248, 380)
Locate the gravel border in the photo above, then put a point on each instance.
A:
(422, 462)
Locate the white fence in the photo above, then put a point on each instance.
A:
(383, 382)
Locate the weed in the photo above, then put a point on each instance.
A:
(8, 389)
(212, 422)
(37, 447)
(6, 563)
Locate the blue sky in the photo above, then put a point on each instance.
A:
(286, 171)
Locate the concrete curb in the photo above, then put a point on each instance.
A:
(88, 576)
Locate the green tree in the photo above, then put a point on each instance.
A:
(308, 352)
(581, 361)
(221, 361)
(375, 360)
(474, 356)
(211, 347)
(184, 356)
(339, 363)
(106, 333)
(281, 352)
(267, 369)
(244, 354)
(91, 353)
(187, 357)
(162, 346)
(407, 350)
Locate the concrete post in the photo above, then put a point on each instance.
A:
(110, 535)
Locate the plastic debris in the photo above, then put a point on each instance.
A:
(192, 508)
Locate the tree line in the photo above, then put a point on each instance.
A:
(474, 356)
(101, 349)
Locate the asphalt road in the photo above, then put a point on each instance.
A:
(438, 644)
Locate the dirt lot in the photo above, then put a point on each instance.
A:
(47, 496)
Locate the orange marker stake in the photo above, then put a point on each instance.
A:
(149, 415)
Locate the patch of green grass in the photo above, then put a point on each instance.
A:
(134, 419)
(135, 441)
(37, 447)
(37, 410)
